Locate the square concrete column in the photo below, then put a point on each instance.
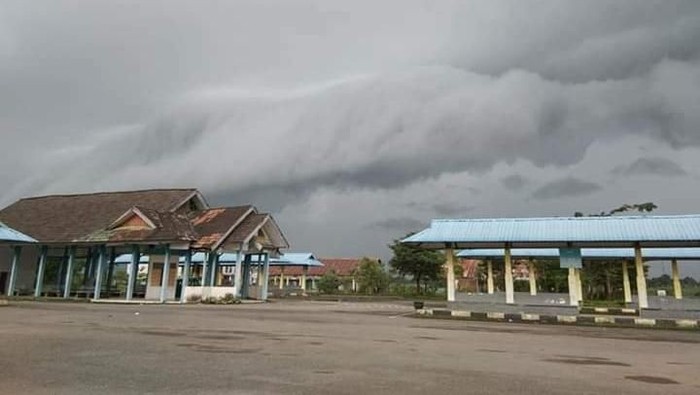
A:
(573, 288)
(450, 267)
(641, 278)
(101, 263)
(675, 274)
(14, 270)
(626, 282)
(185, 276)
(165, 276)
(40, 273)
(579, 285)
(69, 272)
(133, 271)
(281, 277)
(532, 277)
(266, 276)
(304, 272)
(489, 277)
(508, 274)
(238, 279)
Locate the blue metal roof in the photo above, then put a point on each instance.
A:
(587, 253)
(288, 259)
(649, 231)
(10, 235)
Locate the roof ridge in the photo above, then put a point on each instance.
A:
(591, 218)
(109, 193)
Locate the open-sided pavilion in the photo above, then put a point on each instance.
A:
(624, 255)
(16, 240)
(561, 233)
(93, 229)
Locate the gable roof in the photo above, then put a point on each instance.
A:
(69, 218)
(214, 224)
(166, 227)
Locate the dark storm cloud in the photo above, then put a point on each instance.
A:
(271, 102)
(651, 166)
(450, 210)
(565, 187)
(514, 182)
(404, 224)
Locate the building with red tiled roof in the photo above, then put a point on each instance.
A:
(79, 237)
(291, 276)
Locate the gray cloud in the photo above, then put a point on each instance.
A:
(404, 224)
(651, 166)
(514, 182)
(272, 102)
(452, 210)
(565, 187)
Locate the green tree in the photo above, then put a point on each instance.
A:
(329, 283)
(602, 279)
(371, 277)
(422, 265)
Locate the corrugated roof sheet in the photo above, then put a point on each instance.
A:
(8, 234)
(586, 253)
(651, 231)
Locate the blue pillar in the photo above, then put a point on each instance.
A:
(16, 251)
(110, 270)
(185, 276)
(206, 268)
(246, 277)
(69, 273)
(40, 272)
(101, 263)
(266, 275)
(133, 271)
(164, 277)
(213, 268)
(237, 280)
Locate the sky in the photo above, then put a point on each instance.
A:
(356, 122)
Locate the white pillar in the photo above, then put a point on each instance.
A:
(641, 278)
(573, 288)
(133, 271)
(166, 274)
(508, 274)
(205, 270)
(266, 275)
(450, 269)
(626, 282)
(40, 272)
(304, 272)
(579, 285)
(238, 279)
(16, 251)
(185, 276)
(532, 278)
(101, 261)
(489, 276)
(675, 274)
(69, 272)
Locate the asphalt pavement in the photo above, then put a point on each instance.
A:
(325, 348)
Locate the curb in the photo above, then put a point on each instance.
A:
(627, 322)
(608, 311)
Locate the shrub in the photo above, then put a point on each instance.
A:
(195, 298)
(329, 283)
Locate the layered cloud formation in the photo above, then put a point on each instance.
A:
(357, 121)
